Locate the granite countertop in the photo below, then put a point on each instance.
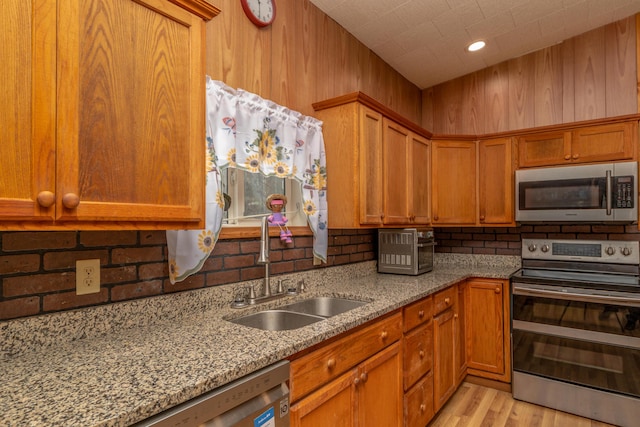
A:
(139, 358)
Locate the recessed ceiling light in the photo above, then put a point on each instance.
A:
(476, 46)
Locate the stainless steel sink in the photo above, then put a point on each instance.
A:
(298, 314)
(323, 306)
(277, 320)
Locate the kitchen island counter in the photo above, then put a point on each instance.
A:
(118, 364)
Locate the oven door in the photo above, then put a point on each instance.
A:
(577, 336)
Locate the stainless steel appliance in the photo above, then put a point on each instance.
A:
(405, 251)
(260, 399)
(575, 331)
(596, 193)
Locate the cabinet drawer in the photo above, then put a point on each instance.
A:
(418, 403)
(444, 299)
(418, 313)
(315, 369)
(418, 354)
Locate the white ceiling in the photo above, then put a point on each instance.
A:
(425, 40)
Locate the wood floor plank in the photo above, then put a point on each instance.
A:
(476, 406)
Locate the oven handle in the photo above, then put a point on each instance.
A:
(601, 299)
(609, 192)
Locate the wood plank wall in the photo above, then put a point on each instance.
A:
(302, 58)
(590, 76)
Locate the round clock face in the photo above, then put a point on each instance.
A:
(260, 12)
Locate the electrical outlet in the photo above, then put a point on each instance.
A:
(87, 276)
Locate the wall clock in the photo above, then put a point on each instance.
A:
(260, 12)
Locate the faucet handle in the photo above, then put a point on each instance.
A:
(252, 292)
(301, 286)
(280, 289)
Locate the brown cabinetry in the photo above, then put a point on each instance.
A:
(496, 182)
(379, 164)
(487, 329)
(454, 172)
(418, 363)
(445, 343)
(103, 122)
(588, 144)
(340, 383)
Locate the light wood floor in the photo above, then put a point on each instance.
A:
(475, 406)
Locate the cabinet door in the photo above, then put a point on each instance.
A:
(604, 143)
(371, 186)
(397, 173)
(495, 182)
(130, 121)
(379, 392)
(544, 149)
(444, 372)
(417, 353)
(418, 403)
(421, 174)
(487, 326)
(27, 115)
(331, 405)
(454, 185)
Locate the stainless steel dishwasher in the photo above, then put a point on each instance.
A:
(260, 399)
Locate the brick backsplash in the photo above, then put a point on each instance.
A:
(37, 269)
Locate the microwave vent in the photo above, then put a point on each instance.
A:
(396, 249)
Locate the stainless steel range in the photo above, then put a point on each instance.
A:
(575, 328)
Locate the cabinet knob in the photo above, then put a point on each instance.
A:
(455, 316)
(356, 381)
(46, 199)
(576, 156)
(421, 314)
(423, 407)
(482, 218)
(331, 363)
(435, 217)
(447, 301)
(567, 157)
(384, 335)
(498, 290)
(70, 200)
(421, 354)
(364, 377)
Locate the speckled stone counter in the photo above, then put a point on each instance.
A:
(118, 364)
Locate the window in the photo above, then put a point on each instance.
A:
(249, 192)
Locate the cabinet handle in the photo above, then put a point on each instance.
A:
(356, 381)
(567, 157)
(455, 316)
(421, 354)
(384, 335)
(331, 363)
(435, 217)
(46, 199)
(423, 407)
(421, 314)
(447, 301)
(576, 156)
(482, 218)
(364, 377)
(70, 200)
(498, 290)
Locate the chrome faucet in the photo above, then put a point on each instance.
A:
(264, 255)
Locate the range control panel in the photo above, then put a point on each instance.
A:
(613, 251)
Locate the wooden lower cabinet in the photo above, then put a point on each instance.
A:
(418, 402)
(444, 372)
(487, 329)
(368, 395)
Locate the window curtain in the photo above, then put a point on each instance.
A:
(248, 132)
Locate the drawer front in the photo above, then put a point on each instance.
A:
(322, 365)
(444, 299)
(418, 313)
(418, 403)
(418, 354)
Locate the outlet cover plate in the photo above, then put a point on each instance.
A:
(87, 276)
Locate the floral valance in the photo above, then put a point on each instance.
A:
(248, 132)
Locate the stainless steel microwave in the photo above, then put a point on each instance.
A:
(605, 192)
(405, 251)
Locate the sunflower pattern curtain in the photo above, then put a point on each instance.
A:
(247, 132)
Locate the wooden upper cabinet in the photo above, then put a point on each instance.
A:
(377, 164)
(370, 146)
(118, 135)
(27, 115)
(397, 173)
(586, 144)
(454, 182)
(496, 182)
